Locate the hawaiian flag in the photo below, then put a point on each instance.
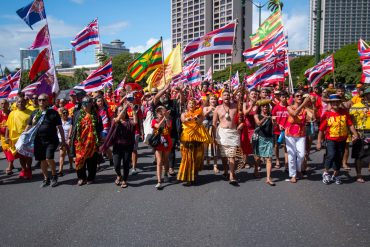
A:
(258, 55)
(107, 81)
(33, 12)
(5, 91)
(218, 41)
(120, 86)
(44, 84)
(208, 76)
(15, 82)
(31, 89)
(96, 80)
(178, 80)
(42, 38)
(87, 36)
(363, 50)
(270, 73)
(321, 69)
(191, 73)
(235, 81)
(365, 78)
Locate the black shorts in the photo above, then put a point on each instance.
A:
(45, 149)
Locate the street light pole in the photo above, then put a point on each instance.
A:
(318, 31)
(259, 6)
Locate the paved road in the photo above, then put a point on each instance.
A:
(212, 213)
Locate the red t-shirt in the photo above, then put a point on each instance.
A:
(335, 125)
(281, 114)
(140, 117)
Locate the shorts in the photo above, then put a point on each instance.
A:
(45, 150)
(137, 138)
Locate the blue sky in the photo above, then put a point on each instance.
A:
(138, 23)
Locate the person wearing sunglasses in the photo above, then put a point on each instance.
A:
(46, 140)
(64, 150)
(295, 135)
(88, 126)
(33, 105)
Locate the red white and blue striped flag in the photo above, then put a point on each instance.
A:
(88, 36)
(96, 80)
(218, 41)
(15, 82)
(5, 91)
(191, 73)
(235, 80)
(270, 73)
(363, 50)
(321, 69)
(258, 55)
(208, 76)
(365, 78)
(120, 86)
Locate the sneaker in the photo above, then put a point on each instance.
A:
(326, 178)
(166, 179)
(54, 181)
(22, 173)
(45, 183)
(133, 171)
(158, 186)
(336, 179)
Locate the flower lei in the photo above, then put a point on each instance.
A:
(37, 116)
(94, 123)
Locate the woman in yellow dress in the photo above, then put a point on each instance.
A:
(193, 137)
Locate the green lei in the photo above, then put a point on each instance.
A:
(94, 123)
(37, 116)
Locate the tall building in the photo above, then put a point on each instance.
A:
(67, 58)
(343, 22)
(191, 19)
(115, 48)
(27, 57)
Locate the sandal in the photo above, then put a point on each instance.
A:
(233, 182)
(346, 167)
(216, 170)
(360, 180)
(81, 182)
(9, 171)
(124, 185)
(118, 181)
(293, 180)
(269, 182)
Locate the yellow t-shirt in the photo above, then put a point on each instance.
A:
(361, 116)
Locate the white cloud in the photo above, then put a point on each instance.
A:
(296, 25)
(114, 28)
(141, 48)
(78, 1)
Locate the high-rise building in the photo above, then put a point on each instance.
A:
(67, 58)
(115, 48)
(191, 19)
(343, 22)
(27, 57)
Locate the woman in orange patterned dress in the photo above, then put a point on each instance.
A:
(193, 137)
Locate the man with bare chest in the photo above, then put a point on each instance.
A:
(227, 134)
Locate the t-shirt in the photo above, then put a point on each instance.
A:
(48, 128)
(140, 118)
(360, 116)
(281, 114)
(67, 125)
(335, 125)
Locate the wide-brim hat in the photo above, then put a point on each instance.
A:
(334, 98)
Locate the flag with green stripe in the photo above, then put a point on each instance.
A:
(146, 62)
(268, 28)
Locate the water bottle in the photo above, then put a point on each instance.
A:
(281, 137)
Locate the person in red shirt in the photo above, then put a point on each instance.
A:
(334, 125)
(280, 115)
(72, 102)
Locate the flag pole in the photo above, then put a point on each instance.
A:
(100, 44)
(333, 69)
(232, 53)
(55, 81)
(164, 66)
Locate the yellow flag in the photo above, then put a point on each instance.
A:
(173, 66)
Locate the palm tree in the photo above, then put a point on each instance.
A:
(274, 5)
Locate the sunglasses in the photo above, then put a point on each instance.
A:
(65, 113)
(299, 96)
(42, 100)
(35, 98)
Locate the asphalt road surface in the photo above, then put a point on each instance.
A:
(212, 213)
